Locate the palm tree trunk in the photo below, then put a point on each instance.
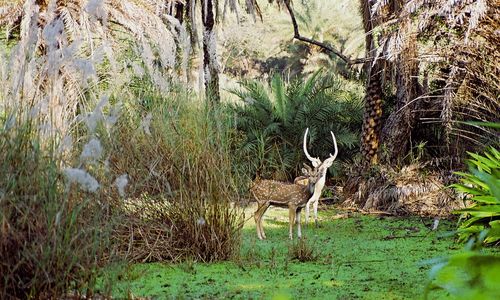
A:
(210, 64)
(372, 118)
(370, 135)
(397, 130)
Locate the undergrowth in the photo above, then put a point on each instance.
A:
(177, 156)
(272, 120)
(303, 251)
(51, 237)
(482, 183)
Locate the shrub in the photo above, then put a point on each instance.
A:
(482, 183)
(51, 239)
(302, 251)
(466, 275)
(273, 121)
(177, 156)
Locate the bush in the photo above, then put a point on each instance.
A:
(273, 121)
(466, 275)
(177, 157)
(51, 238)
(482, 183)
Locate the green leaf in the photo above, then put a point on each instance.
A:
(485, 199)
(492, 182)
(466, 189)
(471, 221)
(495, 125)
(492, 208)
(494, 232)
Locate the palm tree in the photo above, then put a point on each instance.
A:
(452, 47)
(273, 119)
(372, 118)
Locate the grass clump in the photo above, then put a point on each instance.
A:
(302, 251)
(51, 237)
(181, 181)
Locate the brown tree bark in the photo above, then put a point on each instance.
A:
(372, 118)
(397, 130)
(210, 64)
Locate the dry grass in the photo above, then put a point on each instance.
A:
(411, 190)
(181, 183)
(302, 251)
(51, 238)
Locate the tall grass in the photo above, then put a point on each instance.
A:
(51, 237)
(172, 157)
(182, 180)
(142, 174)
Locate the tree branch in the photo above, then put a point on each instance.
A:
(296, 35)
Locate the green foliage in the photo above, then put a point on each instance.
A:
(467, 275)
(483, 184)
(269, 46)
(334, 23)
(273, 121)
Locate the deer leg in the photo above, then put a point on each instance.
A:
(315, 206)
(264, 209)
(257, 219)
(292, 212)
(299, 231)
(307, 212)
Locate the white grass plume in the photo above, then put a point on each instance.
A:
(120, 183)
(82, 178)
(92, 151)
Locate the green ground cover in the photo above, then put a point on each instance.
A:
(359, 257)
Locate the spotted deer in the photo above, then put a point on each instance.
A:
(320, 168)
(286, 195)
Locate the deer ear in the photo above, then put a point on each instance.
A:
(304, 171)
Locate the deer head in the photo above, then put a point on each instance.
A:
(309, 178)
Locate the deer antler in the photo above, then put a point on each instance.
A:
(314, 161)
(332, 157)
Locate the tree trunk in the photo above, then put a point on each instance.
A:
(368, 26)
(179, 12)
(210, 64)
(372, 118)
(397, 130)
(370, 135)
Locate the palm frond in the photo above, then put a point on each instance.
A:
(320, 103)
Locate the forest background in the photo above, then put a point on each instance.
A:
(130, 129)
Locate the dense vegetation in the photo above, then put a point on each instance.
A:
(131, 132)
(272, 121)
